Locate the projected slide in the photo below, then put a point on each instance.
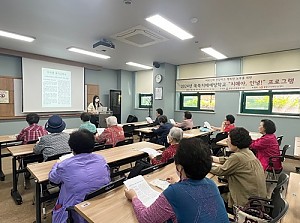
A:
(56, 88)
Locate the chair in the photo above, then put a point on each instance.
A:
(153, 168)
(270, 169)
(196, 127)
(102, 190)
(128, 130)
(282, 180)
(131, 118)
(124, 142)
(279, 139)
(98, 147)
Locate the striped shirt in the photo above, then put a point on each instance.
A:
(31, 133)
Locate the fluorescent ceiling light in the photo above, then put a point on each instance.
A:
(138, 65)
(169, 27)
(89, 53)
(214, 53)
(16, 36)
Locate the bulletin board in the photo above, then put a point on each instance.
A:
(7, 109)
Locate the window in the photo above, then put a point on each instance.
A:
(145, 100)
(197, 101)
(272, 102)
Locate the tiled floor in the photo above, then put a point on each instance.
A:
(25, 213)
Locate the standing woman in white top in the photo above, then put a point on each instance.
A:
(93, 110)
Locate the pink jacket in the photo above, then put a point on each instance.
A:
(267, 146)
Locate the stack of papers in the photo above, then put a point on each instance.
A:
(100, 130)
(162, 184)
(149, 120)
(151, 152)
(144, 192)
(172, 121)
(64, 157)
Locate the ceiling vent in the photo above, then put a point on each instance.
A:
(139, 36)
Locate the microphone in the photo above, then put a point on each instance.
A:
(101, 104)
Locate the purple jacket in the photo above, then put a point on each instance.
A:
(78, 176)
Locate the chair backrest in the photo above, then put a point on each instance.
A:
(128, 130)
(284, 149)
(105, 188)
(32, 141)
(98, 147)
(153, 168)
(196, 127)
(279, 139)
(55, 157)
(280, 208)
(282, 180)
(124, 142)
(131, 118)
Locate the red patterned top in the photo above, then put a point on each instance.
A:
(166, 155)
(31, 133)
(228, 127)
(111, 135)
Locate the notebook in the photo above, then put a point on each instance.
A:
(149, 120)
(172, 121)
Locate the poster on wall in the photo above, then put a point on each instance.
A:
(4, 97)
(282, 80)
(158, 93)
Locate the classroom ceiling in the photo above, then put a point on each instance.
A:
(234, 27)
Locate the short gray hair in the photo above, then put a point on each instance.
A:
(176, 134)
(111, 120)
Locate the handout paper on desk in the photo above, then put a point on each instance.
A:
(144, 192)
(100, 130)
(151, 152)
(172, 121)
(162, 184)
(187, 135)
(64, 157)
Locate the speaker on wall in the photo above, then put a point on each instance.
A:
(156, 64)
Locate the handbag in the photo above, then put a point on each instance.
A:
(251, 213)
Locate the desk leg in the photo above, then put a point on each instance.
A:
(38, 202)
(2, 176)
(14, 191)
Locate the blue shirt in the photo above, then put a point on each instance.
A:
(196, 201)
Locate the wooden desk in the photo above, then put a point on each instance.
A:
(194, 133)
(186, 134)
(114, 156)
(254, 136)
(18, 151)
(113, 206)
(3, 140)
(293, 199)
(137, 124)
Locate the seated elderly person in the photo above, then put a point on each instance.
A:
(112, 134)
(56, 142)
(173, 138)
(85, 118)
(78, 175)
(187, 122)
(242, 169)
(160, 134)
(267, 145)
(33, 131)
(194, 198)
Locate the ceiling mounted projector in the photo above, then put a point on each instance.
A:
(104, 42)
